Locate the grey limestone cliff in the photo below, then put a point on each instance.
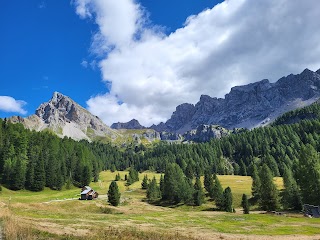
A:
(133, 124)
(248, 106)
(65, 117)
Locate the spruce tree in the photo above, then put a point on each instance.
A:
(291, 198)
(243, 168)
(227, 200)
(133, 176)
(176, 186)
(86, 176)
(118, 177)
(256, 184)
(198, 195)
(211, 187)
(269, 196)
(218, 193)
(245, 204)
(114, 194)
(206, 180)
(161, 184)
(153, 190)
(144, 184)
(308, 175)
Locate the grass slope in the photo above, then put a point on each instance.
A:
(58, 215)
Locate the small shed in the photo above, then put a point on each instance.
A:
(87, 193)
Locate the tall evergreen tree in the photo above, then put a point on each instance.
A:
(133, 176)
(176, 186)
(161, 184)
(245, 204)
(207, 179)
(291, 198)
(153, 190)
(268, 193)
(308, 175)
(198, 195)
(218, 193)
(86, 176)
(256, 184)
(227, 200)
(114, 194)
(144, 184)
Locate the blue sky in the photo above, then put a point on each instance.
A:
(43, 44)
(145, 54)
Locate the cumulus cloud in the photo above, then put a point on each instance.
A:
(9, 104)
(234, 43)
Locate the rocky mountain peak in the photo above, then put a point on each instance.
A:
(248, 106)
(132, 124)
(67, 118)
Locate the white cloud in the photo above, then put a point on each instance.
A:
(84, 63)
(234, 43)
(9, 104)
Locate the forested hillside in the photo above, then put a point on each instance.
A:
(33, 160)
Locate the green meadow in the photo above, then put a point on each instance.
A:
(60, 215)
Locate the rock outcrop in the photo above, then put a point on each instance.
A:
(253, 105)
(133, 124)
(204, 133)
(67, 118)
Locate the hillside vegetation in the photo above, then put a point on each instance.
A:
(59, 215)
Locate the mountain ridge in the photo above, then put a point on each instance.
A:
(247, 106)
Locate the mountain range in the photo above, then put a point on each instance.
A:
(249, 106)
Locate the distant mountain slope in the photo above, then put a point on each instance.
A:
(253, 105)
(133, 124)
(309, 112)
(65, 117)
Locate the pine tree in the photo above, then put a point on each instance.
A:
(308, 175)
(161, 184)
(69, 182)
(133, 176)
(39, 180)
(198, 195)
(269, 196)
(218, 193)
(256, 184)
(245, 204)
(114, 194)
(291, 198)
(176, 186)
(153, 190)
(117, 178)
(207, 179)
(227, 200)
(144, 184)
(211, 187)
(243, 168)
(86, 176)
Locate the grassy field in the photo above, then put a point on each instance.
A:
(59, 215)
